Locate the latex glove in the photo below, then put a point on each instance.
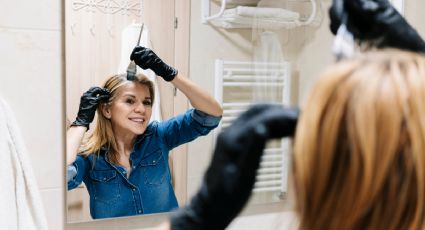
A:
(147, 59)
(88, 105)
(230, 177)
(376, 21)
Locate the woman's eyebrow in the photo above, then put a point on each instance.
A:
(129, 95)
(133, 96)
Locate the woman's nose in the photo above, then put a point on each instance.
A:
(140, 108)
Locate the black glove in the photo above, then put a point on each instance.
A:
(88, 105)
(375, 21)
(231, 175)
(147, 59)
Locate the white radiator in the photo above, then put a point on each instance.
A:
(237, 85)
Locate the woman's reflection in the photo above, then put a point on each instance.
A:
(124, 161)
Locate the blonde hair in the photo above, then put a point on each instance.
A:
(103, 134)
(359, 156)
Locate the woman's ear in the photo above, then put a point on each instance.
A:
(106, 110)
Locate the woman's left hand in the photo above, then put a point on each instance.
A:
(378, 21)
(147, 59)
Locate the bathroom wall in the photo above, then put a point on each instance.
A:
(31, 82)
(31, 70)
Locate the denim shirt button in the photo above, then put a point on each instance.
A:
(133, 189)
(104, 179)
(140, 211)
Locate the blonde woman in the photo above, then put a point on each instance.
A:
(124, 163)
(359, 159)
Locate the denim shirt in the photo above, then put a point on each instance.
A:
(148, 188)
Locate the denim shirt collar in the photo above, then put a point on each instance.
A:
(148, 132)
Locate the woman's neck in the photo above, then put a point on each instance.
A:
(125, 144)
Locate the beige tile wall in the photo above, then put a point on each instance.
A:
(31, 82)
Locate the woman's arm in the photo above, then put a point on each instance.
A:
(74, 136)
(198, 98)
(88, 105)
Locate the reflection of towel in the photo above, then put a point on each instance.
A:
(129, 37)
(20, 202)
(255, 17)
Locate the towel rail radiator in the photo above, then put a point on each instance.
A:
(236, 78)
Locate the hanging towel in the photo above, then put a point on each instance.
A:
(242, 2)
(20, 202)
(256, 17)
(277, 14)
(129, 37)
(238, 22)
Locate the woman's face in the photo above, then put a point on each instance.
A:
(130, 110)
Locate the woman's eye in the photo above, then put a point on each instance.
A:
(129, 101)
(147, 103)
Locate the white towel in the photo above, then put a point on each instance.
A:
(277, 14)
(20, 202)
(256, 17)
(242, 2)
(129, 37)
(244, 22)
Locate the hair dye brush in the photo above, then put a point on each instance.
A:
(132, 67)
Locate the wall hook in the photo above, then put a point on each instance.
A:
(73, 25)
(92, 30)
(110, 31)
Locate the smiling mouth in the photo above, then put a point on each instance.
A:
(137, 120)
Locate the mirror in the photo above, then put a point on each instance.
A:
(99, 38)
(96, 33)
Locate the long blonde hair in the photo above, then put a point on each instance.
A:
(359, 156)
(103, 135)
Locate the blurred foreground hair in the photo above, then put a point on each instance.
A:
(360, 145)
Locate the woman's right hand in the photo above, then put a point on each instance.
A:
(88, 105)
(231, 174)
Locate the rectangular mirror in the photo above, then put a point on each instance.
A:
(100, 36)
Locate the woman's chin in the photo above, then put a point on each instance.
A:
(139, 131)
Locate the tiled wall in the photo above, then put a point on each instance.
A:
(31, 83)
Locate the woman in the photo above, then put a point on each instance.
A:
(359, 159)
(125, 163)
